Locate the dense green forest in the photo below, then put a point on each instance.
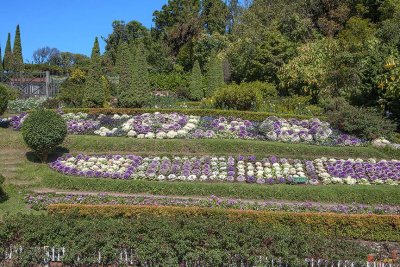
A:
(311, 50)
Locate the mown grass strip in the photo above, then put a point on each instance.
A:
(356, 226)
(112, 145)
(221, 147)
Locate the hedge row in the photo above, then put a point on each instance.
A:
(176, 240)
(355, 226)
(247, 115)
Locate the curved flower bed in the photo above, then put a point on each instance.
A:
(270, 170)
(42, 200)
(175, 125)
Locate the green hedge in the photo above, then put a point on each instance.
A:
(261, 149)
(355, 226)
(170, 241)
(247, 115)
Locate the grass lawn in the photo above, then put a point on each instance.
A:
(98, 144)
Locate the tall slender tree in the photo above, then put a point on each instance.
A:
(214, 74)
(123, 65)
(1, 61)
(95, 88)
(196, 86)
(141, 82)
(7, 63)
(18, 62)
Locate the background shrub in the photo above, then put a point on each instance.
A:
(3, 99)
(2, 193)
(363, 122)
(19, 105)
(43, 131)
(239, 97)
(173, 240)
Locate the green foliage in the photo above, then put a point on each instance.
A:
(197, 83)
(141, 88)
(8, 54)
(214, 75)
(362, 122)
(19, 105)
(291, 105)
(72, 89)
(166, 241)
(176, 82)
(3, 194)
(1, 62)
(17, 59)
(95, 88)
(123, 66)
(43, 131)
(259, 57)
(4, 97)
(239, 97)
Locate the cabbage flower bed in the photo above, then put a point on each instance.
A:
(174, 125)
(239, 169)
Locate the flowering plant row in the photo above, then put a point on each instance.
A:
(40, 201)
(270, 170)
(175, 125)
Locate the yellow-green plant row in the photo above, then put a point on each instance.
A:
(355, 226)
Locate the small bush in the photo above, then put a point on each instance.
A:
(293, 105)
(239, 97)
(362, 122)
(72, 89)
(20, 105)
(3, 99)
(2, 193)
(51, 103)
(43, 131)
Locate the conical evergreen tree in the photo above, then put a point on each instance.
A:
(123, 65)
(1, 62)
(196, 86)
(214, 74)
(18, 62)
(7, 63)
(96, 48)
(141, 82)
(95, 88)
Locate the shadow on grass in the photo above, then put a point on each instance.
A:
(3, 195)
(32, 156)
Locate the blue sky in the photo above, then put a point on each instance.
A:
(69, 25)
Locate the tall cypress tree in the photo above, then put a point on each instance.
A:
(196, 86)
(214, 74)
(1, 62)
(141, 82)
(18, 62)
(95, 88)
(7, 63)
(96, 48)
(123, 65)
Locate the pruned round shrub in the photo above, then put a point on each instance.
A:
(239, 97)
(3, 99)
(43, 130)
